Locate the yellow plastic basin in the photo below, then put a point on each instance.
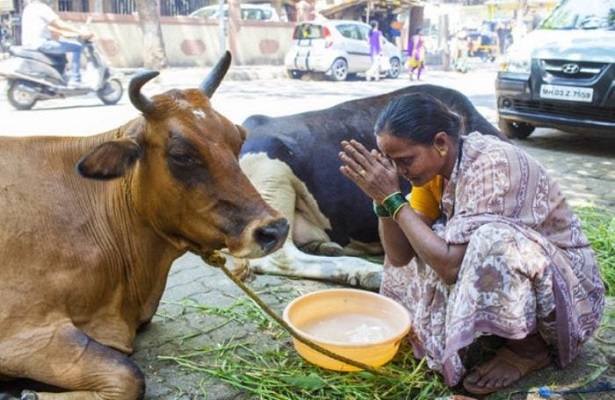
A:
(359, 325)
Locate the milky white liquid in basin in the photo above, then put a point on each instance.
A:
(350, 328)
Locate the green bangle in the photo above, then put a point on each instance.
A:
(393, 203)
(381, 211)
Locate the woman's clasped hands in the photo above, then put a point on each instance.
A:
(371, 171)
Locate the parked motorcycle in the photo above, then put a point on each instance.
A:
(33, 76)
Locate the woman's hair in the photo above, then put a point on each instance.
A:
(374, 24)
(418, 117)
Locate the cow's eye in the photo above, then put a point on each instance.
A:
(181, 153)
(183, 158)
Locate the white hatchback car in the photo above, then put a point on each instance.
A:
(338, 48)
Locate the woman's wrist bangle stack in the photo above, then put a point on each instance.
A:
(393, 203)
(380, 211)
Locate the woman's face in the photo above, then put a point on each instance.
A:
(417, 163)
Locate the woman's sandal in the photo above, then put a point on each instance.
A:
(505, 355)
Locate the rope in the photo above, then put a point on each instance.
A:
(217, 260)
(601, 334)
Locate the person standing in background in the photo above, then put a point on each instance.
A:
(395, 32)
(375, 50)
(501, 32)
(305, 11)
(416, 55)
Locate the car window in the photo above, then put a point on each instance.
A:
(582, 14)
(349, 31)
(363, 32)
(205, 13)
(249, 13)
(308, 31)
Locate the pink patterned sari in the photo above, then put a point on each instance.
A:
(527, 257)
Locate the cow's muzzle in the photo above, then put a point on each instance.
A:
(271, 237)
(259, 238)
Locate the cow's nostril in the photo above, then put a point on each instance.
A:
(270, 237)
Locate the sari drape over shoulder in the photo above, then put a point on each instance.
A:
(526, 260)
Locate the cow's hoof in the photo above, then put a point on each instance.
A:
(371, 281)
(330, 249)
(28, 395)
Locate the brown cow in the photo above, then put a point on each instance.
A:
(85, 261)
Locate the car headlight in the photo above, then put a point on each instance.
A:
(516, 60)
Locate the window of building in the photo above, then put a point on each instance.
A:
(73, 5)
(181, 7)
(123, 6)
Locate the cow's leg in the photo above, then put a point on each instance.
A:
(285, 192)
(349, 271)
(67, 358)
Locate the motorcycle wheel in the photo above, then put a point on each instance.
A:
(20, 95)
(112, 92)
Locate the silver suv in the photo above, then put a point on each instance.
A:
(561, 75)
(337, 48)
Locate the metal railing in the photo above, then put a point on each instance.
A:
(167, 7)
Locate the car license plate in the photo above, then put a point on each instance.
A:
(570, 93)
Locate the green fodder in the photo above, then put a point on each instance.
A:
(267, 366)
(599, 227)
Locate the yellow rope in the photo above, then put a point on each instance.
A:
(217, 260)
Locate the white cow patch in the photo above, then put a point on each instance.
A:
(199, 114)
(276, 182)
(184, 104)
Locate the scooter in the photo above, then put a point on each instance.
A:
(33, 76)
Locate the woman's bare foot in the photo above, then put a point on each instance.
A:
(511, 362)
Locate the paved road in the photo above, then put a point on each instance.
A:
(584, 165)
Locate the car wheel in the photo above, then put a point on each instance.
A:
(294, 74)
(339, 70)
(21, 96)
(515, 130)
(395, 68)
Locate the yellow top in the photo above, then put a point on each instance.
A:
(426, 199)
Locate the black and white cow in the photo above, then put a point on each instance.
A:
(293, 162)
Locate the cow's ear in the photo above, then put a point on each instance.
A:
(109, 160)
(242, 132)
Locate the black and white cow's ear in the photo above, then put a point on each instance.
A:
(109, 160)
(242, 132)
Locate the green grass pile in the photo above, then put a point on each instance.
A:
(599, 227)
(280, 373)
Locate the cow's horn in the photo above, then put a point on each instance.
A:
(215, 76)
(137, 98)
